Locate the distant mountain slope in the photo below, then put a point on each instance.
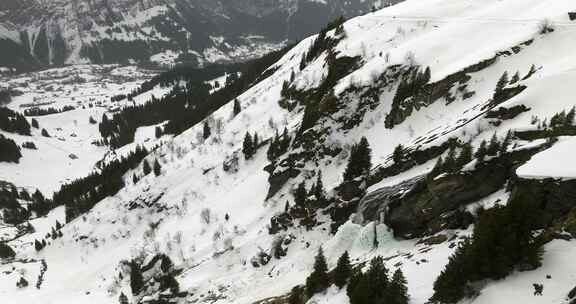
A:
(197, 31)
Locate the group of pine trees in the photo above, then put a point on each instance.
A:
(146, 169)
(454, 161)
(375, 285)
(279, 145)
(47, 111)
(370, 287)
(250, 145)
(412, 83)
(13, 122)
(503, 239)
(360, 160)
(323, 42)
(310, 199)
(9, 150)
(55, 233)
(82, 194)
(500, 93)
(562, 120)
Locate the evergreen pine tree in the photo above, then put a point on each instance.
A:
(303, 62)
(515, 78)
(398, 154)
(134, 179)
(481, 152)
(237, 107)
(37, 245)
(136, 279)
(502, 82)
(300, 195)
(465, 155)
(493, 146)
(398, 289)
(256, 142)
(342, 271)
(506, 142)
(248, 146)
(318, 281)
(318, 190)
(206, 131)
(35, 123)
(45, 133)
(146, 167)
(359, 163)
(273, 148)
(158, 132)
(157, 168)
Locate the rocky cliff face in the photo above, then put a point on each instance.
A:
(42, 32)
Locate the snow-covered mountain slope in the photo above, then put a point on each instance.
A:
(215, 214)
(163, 32)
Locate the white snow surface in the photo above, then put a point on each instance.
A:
(446, 35)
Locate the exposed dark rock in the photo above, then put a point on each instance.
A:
(278, 179)
(433, 205)
(554, 199)
(504, 113)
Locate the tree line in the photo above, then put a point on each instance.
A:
(82, 194)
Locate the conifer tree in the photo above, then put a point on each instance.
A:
(398, 289)
(134, 179)
(37, 245)
(248, 146)
(398, 154)
(303, 62)
(465, 155)
(493, 146)
(146, 167)
(136, 279)
(502, 82)
(256, 142)
(481, 152)
(206, 131)
(506, 143)
(157, 168)
(35, 123)
(272, 152)
(158, 132)
(359, 163)
(318, 190)
(237, 107)
(45, 133)
(342, 271)
(318, 281)
(300, 195)
(515, 78)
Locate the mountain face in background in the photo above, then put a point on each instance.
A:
(55, 32)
